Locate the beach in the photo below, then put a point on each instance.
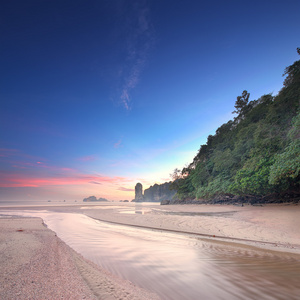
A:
(273, 227)
(36, 264)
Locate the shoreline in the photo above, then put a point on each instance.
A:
(292, 248)
(271, 227)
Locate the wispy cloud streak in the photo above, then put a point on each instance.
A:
(118, 144)
(87, 158)
(139, 41)
(123, 189)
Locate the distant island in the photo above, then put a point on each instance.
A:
(94, 199)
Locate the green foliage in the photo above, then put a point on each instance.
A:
(218, 185)
(199, 177)
(224, 162)
(286, 169)
(268, 139)
(253, 178)
(287, 165)
(257, 153)
(184, 188)
(244, 142)
(294, 132)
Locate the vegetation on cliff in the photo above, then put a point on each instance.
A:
(256, 154)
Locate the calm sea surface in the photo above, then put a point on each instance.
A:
(177, 266)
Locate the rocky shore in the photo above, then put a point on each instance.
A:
(230, 199)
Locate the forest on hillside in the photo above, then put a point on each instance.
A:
(257, 154)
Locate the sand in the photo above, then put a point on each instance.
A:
(36, 264)
(274, 227)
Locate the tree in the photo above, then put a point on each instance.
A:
(176, 174)
(292, 72)
(241, 104)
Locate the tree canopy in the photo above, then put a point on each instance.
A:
(257, 153)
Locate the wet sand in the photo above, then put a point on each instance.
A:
(36, 264)
(274, 227)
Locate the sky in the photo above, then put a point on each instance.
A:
(97, 95)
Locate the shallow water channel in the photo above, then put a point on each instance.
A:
(178, 266)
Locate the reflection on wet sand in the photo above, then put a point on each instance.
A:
(178, 266)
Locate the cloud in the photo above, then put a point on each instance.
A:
(22, 170)
(139, 41)
(4, 152)
(145, 181)
(10, 154)
(15, 158)
(166, 179)
(87, 158)
(125, 189)
(36, 174)
(118, 144)
(64, 178)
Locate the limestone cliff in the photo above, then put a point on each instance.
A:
(138, 193)
(159, 192)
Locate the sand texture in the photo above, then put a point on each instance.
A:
(274, 227)
(36, 264)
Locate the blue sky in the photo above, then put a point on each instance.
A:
(99, 95)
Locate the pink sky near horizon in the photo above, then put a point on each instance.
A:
(43, 179)
(24, 171)
(77, 188)
(19, 180)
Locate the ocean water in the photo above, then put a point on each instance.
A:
(177, 266)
